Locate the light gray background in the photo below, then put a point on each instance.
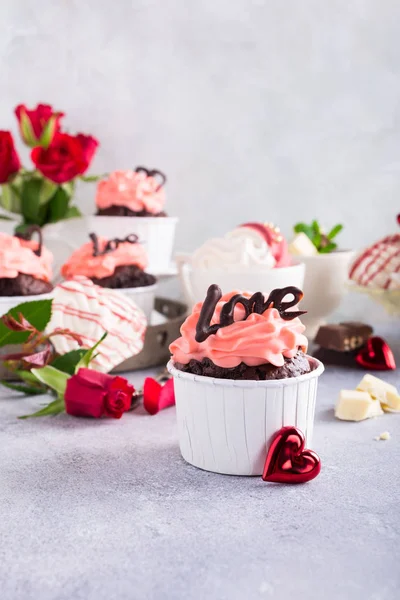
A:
(256, 109)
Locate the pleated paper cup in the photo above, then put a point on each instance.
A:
(143, 297)
(9, 302)
(226, 425)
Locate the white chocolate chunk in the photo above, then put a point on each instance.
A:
(392, 403)
(353, 405)
(301, 245)
(379, 390)
(385, 435)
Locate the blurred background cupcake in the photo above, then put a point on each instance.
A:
(252, 256)
(25, 269)
(128, 202)
(117, 264)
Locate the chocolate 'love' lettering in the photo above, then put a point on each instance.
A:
(111, 244)
(254, 304)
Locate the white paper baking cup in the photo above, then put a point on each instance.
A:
(226, 425)
(143, 297)
(9, 302)
(157, 235)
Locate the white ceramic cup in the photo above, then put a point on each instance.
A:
(324, 286)
(195, 281)
(155, 233)
(9, 302)
(226, 426)
(143, 297)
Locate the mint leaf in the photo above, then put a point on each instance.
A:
(53, 408)
(67, 362)
(53, 378)
(334, 231)
(37, 312)
(329, 248)
(303, 228)
(20, 387)
(88, 356)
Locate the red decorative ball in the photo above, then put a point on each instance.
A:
(287, 461)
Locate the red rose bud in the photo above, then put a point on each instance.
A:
(39, 125)
(67, 157)
(93, 394)
(9, 160)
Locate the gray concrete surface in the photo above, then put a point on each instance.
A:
(101, 510)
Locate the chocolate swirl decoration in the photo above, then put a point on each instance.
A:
(153, 173)
(29, 233)
(254, 304)
(111, 244)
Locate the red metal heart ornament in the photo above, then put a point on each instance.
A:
(376, 355)
(288, 461)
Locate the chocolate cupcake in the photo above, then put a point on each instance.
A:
(240, 374)
(25, 265)
(243, 337)
(117, 264)
(138, 193)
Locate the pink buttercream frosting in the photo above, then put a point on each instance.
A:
(82, 261)
(136, 191)
(18, 256)
(259, 339)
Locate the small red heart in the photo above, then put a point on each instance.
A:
(287, 461)
(398, 218)
(376, 355)
(156, 397)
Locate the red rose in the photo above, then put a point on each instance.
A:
(93, 394)
(38, 126)
(9, 160)
(67, 157)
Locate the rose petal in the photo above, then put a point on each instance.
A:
(157, 397)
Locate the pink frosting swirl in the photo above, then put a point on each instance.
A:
(82, 262)
(18, 256)
(259, 339)
(136, 191)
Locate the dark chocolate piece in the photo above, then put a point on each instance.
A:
(111, 244)
(293, 367)
(254, 304)
(337, 358)
(343, 337)
(153, 173)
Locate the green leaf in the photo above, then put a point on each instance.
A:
(47, 190)
(58, 206)
(10, 199)
(67, 362)
(37, 312)
(53, 378)
(315, 227)
(329, 248)
(91, 178)
(53, 408)
(72, 212)
(48, 132)
(303, 228)
(28, 135)
(26, 376)
(88, 356)
(334, 231)
(20, 387)
(32, 209)
(69, 187)
(5, 218)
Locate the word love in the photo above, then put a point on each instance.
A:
(111, 244)
(255, 304)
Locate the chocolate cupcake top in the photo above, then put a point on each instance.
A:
(240, 328)
(100, 257)
(26, 256)
(139, 190)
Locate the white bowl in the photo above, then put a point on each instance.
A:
(226, 426)
(324, 287)
(9, 302)
(155, 233)
(143, 297)
(195, 281)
